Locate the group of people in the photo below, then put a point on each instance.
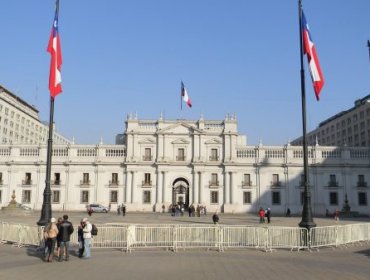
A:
(121, 209)
(58, 233)
(264, 213)
(179, 210)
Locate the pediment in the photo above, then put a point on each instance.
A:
(213, 141)
(180, 141)
(147, 141)
(179, 128)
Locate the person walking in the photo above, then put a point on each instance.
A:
(50, 235)
(65, 231)
(215, 218)
(80, 239)
(87, 238)
(123, 210)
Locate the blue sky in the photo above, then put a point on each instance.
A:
(240, 56)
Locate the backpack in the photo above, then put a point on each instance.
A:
(94, 230)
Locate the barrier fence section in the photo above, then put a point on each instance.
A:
(175, 237)
(334, 236)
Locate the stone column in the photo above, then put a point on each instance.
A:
(195, 188)
(226, 187)
(158, 198)
(200, 187)
(128, 187)
(231, 187)
(133, 186)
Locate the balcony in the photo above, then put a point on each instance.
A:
(147, 183)
(276, 184)
(113, 183)
(333, 184)
(213, 184)
(27, 182)
(56, 182)
(147, 158)
(213, 158)
(359, 185)
(247, 183)
(85, 183)
(180, 158)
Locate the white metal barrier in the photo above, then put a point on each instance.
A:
(175, 237)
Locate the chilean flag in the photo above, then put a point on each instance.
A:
(313, 60)
(185, 95)
(55, 78)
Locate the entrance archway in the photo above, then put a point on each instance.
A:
(180, 192)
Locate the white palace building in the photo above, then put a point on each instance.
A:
(201, 162)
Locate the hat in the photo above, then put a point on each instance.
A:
(53, 220)
(84, 220)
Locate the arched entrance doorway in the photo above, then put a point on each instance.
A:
(180, 192)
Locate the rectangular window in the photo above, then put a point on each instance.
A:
(361, 181)
(276, 198)
(1, 196)
(113, 197)
(1, 178)
(180, 154)
(247, 197)
(147, 154)
(333, 198)
(26, 196)
(214, 197)
(247, 180)
(214, 155)
(362, 198)
(214, 180)
(114, 179)
(146, 197)
(275, 180)
(84, 196)
(147, 181)
(85, 179)
(55, 197)
(27, 180)
(56, 179)
(333, 181)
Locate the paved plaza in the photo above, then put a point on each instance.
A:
(351, 262)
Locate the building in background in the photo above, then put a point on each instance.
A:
(347, 128)
(20, 123)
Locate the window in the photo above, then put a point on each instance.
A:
(333, 198)
(55, 197)
(180, 154)
(85, 179)
(214, 155)
(147, 154)
(214, 197)
(275, 180)
(333, 181)
(362, 198)
(147, 181)
(27, 180)
(276, 198)
(26, 196)
(114, 179)
(85, 197)
(113, 198)
(247, 180)
(214, 180)
(1, 196)
(1, 178)
(146, 197)
(361, 181)
(247, 197)
(56, 179)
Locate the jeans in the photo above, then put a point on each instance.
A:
(62, 245)
(87, 242)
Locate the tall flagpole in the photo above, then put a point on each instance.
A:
(307, 220)
(46, 212)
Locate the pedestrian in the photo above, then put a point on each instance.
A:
(59, 221)
(261, 214)
(336, 215)
(118, 209)
(109, 207)
(288, 212)
(123, 210)
(215, 218)
(87, 238)
(268, 215)
(50, 234)
(80, 239)
(65, 231)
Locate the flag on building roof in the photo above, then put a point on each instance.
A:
(313, 60)
(55, 78)
(185, 95)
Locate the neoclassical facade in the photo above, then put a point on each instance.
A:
(201, 162)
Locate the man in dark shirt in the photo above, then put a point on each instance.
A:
(65, 231)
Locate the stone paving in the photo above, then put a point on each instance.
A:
(351, 262)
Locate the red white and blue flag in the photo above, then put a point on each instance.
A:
(55, 78)
(313, 60)
(185, 96)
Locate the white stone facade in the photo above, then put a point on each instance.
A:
(201, 162)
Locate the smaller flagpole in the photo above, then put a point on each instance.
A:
(182, 85)
(307, 220)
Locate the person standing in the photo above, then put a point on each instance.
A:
(87, 238)
(81, 239)
(268, 215)
(123, 210)
(65, 231)
(50, 235)
(261, 214)
(215, 218)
